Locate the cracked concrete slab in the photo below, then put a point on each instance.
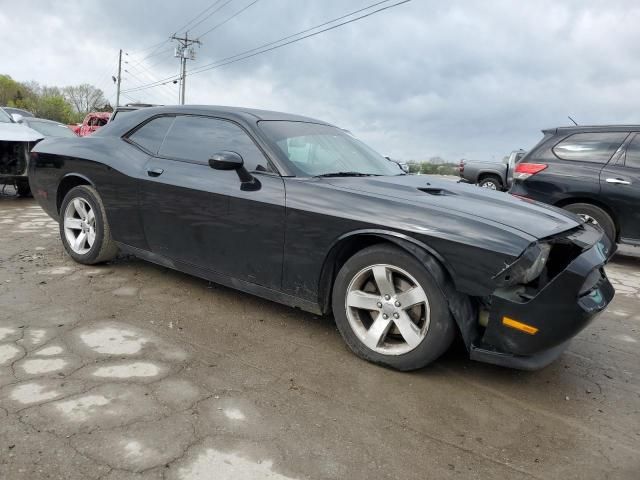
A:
(140, 446)
(152, 374)
(19, 396)
(102, 407)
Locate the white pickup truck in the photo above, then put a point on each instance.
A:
(496, 175)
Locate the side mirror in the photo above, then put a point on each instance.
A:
(17, 117)
(226, 161)
(234, 161)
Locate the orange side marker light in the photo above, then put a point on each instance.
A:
(523, 327)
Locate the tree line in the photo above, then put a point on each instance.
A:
(434, 166)
(63, 104)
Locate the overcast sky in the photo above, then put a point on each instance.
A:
(458, 79)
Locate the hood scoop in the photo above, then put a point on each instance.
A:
(436, 191)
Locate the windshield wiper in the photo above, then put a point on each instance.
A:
(347, 174)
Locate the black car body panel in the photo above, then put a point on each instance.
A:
(281, 238)
(611, 183)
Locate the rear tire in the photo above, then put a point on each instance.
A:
(492, 182)
(23, 189)
(411, 335)
(84, 228)
(595, 216)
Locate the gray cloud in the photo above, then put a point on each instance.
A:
(456, 79)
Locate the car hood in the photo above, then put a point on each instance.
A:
(15, 132)
(533, 218)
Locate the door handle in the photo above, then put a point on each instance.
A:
(618, 181)
(155, 172)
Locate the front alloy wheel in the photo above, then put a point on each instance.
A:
(390, 309)
(387, 309)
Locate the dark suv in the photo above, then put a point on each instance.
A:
(591, 171)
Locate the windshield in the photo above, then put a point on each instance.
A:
(321, 150)
(50, 129)
(4, 117)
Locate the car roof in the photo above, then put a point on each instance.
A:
(44, 120)
(239, 114)
(21, 111)
(234, 111)
(592, 128)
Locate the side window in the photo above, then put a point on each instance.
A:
(633, 153)
(196, 138)
(150, 135)
(589, 147)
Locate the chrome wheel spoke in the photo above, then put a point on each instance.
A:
(409, 330)
(91, 218)
(80, 208)
(384, 282)
(73, 223)
(411, 297)
(364, 300)
(79, 242)
(91, 237)
(377, 332)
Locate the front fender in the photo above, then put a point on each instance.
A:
(460, 305)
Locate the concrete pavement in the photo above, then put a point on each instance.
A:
(132, 371)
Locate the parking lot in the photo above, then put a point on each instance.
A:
(130, 370)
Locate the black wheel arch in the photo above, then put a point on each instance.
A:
(69, 181)
(460, 305)
(593, 201)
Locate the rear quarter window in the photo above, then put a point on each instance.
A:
(589, 147)
(150, 135)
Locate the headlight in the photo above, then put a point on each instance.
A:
(536, 268)
(527, 267)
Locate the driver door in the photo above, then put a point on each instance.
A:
(201, 216)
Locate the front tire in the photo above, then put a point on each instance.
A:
(390, 310)
(595, 216)
(84, 228)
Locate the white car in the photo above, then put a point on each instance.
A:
(16, 141)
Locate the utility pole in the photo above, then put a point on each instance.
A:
(118, 79)
(184, 51)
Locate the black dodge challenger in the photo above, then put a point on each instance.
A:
(300, 212)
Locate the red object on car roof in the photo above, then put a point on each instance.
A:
(91, 123)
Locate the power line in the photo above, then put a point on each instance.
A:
(278, 43)
(215, 27)
(155, 46)
(211, 13)
(165, 93)
(136, 52)
(186, 25)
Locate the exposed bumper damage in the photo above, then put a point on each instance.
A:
(529, 325)
(15, 142)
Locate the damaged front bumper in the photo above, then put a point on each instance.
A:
(529, 328)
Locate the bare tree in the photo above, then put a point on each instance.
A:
(85, 98)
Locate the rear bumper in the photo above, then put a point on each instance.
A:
(558, 312)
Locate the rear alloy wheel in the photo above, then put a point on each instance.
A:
(491, 182)
(390, 310)
(595, 216)
(84, 228)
